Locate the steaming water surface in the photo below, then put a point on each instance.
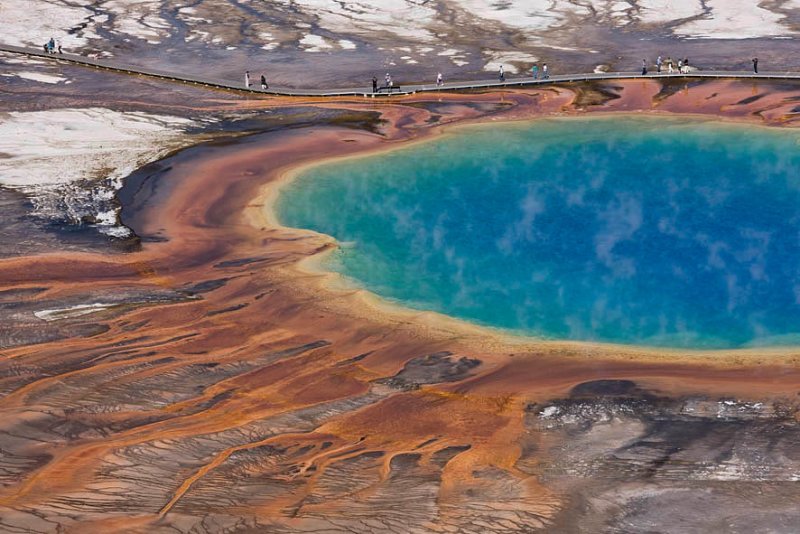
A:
(651, 231)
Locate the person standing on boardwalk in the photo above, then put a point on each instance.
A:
(658, 64)
(388, 81)
(669, 65)
(535, 71)
(686, 65)
(545, 71)
(247, 79)
(439, 80)
(502, 74)
(374, 84)
(264, 85)
(755, 65)
(644, 67)
(58, 45)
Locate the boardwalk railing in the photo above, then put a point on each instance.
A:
(406, 88)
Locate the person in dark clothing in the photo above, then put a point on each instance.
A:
(644, 67)
(755, 65)
(45, 48)
(264, 85)
(374, 84)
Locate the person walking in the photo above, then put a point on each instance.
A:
(545, 71)
(52, 45)
(535, 71)
(247, 79)
(669, 65)
(439, 80)
(755, 65)
(644, 67)
(264, 85)
(389, 83)
(502, 74)
(680, 65)
(658, 64)
(686, 65)
(374, 84)
(58, 45)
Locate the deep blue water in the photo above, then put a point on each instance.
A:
(650, 231)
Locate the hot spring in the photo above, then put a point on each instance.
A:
(667, 232)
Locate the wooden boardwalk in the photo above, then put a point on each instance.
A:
(366, 91)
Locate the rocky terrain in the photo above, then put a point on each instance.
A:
(305, 43)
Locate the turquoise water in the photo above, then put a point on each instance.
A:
(650, 231)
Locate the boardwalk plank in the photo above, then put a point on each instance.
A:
(406, 88)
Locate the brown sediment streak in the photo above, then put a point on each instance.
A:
(224, 455)
(236, 381)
